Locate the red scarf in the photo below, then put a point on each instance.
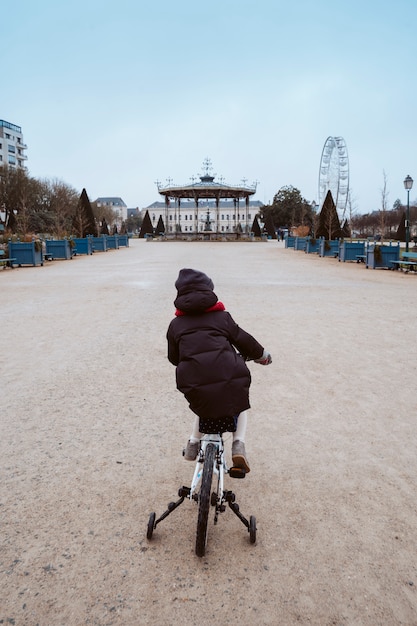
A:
(219, 306)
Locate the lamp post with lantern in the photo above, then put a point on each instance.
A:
(408, 184)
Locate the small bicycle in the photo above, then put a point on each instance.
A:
(210, 462)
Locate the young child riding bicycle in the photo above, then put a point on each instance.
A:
(209, 350)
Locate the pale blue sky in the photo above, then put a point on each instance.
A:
(112, 96)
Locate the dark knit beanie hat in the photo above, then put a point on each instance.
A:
(193, 280)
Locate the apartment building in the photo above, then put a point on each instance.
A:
(12, 146)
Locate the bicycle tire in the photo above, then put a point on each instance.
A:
(204, 500)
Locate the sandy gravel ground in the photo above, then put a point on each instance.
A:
(92, 430)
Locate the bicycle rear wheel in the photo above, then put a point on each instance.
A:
(204, 500)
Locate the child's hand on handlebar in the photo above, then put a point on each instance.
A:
(265, 359)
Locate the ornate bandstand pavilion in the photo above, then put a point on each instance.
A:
(207, 208)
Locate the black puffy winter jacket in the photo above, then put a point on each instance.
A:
(202, 343)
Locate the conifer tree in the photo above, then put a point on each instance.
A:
(256, 229)
(84, 222)
(91, 228)
(329, 223)
(146, 228)
(160, 227)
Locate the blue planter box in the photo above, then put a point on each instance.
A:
(124, 240)
(289, 242)
(83, 245)
(386, 253)
(58, 248)
(300, 243)
(329, 248)
(350, 250)
(112, 242)
(25, 254)
(99, 244)
(312, 247)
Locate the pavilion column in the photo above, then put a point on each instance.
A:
(235, 204)
(247, 213)
(166, 214)
(196, 212)
(217, 214)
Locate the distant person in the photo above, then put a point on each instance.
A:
(209, 350)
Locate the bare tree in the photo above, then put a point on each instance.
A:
(384, 207)
(79, 222)
(22, 190)
(63, 206)
(352, 208)
(104, 211)
(14, 192)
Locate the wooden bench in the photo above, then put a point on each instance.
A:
(408, 261)
(4, 261)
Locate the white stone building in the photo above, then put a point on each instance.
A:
(188, 217)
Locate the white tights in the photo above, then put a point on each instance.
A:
(239, 433)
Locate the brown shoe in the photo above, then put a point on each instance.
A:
(239, 456)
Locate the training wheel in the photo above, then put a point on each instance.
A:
(151, 526)
(252, 529)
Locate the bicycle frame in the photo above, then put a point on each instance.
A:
(219, 468)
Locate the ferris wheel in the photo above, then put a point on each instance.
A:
(334, 174)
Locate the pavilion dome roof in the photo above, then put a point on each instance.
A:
(207, 188)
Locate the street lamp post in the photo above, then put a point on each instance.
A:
(408, 184)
